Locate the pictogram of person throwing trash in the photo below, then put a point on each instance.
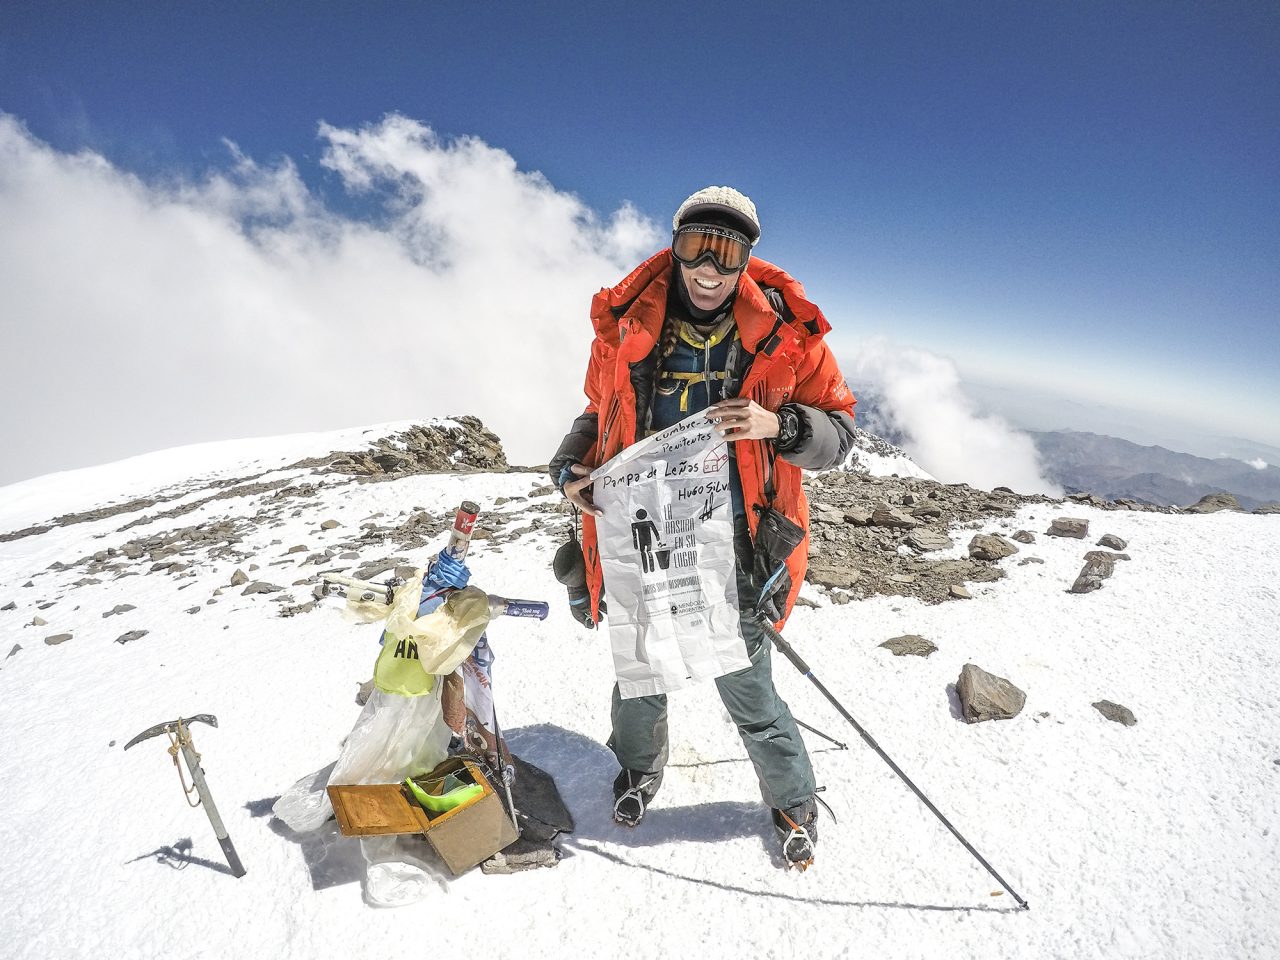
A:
(645, 538)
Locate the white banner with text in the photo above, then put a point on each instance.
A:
(666, 549)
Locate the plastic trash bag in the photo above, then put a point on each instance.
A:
(401, 732)
(393, 738)
(418, 645)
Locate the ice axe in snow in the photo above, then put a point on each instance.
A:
(179, 735)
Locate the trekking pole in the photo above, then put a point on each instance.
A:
(785, 649)
(814, 730)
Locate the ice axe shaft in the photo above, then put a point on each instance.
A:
(178, 731)
(786, 650)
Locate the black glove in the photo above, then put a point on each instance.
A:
(580, 606)
(775, 587)
(777, 537)
(571, 570)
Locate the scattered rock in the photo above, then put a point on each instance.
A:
(884, 515)
(330, 525)
(371, 570)
(260, 586)
(523, 854)
(959, 592)
(131, 636)
(828, 514)
(349, 555)
(253, 567)
(16, 648)
(1025, 560)
(57, 638)
(1098, 567)
(194, 609)
(297, 548)
(1106, 555)
(984, 696)
(1068, 527)
(832, 575)
(1268, 508)
(927, 540)
(38, 622)
(1112, 542)
(239, 578)
(11, 605)
(990, 546)
(910, 645)
(119, 608)
(1213, 502)
(363, 692)
(1116, 712)
(1025, 536)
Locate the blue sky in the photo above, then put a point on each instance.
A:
(1082, 197)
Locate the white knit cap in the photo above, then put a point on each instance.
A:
(722, 200)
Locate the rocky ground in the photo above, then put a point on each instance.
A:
(870, 535)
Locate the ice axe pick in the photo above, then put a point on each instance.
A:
(179, 735)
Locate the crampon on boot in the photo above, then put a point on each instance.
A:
(632, 792)
(798, 830)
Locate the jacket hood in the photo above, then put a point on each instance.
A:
(639, 304)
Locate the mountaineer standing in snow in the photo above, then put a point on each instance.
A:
(703, 325)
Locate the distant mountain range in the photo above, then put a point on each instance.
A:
(1113, 468)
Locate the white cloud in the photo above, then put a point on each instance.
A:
(945, 433)
(139, 315)
(1258, 463)
(142, 314)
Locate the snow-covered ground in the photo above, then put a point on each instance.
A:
(1157, 840)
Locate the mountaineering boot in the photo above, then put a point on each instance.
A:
(632, 792)
(798, 830)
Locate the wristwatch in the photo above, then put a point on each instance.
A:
(788, 428)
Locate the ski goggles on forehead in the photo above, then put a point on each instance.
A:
(727, 249)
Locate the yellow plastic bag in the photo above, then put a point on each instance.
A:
(416, 649)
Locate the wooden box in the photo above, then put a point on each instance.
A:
(464, 836)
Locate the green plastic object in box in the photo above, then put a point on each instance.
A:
(452, 797)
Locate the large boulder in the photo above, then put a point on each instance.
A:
(990, 546)
(984, 696)
(1068, 527)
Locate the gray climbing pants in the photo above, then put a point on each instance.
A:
(764, 721)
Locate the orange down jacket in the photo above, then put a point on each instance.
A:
(791, 364)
